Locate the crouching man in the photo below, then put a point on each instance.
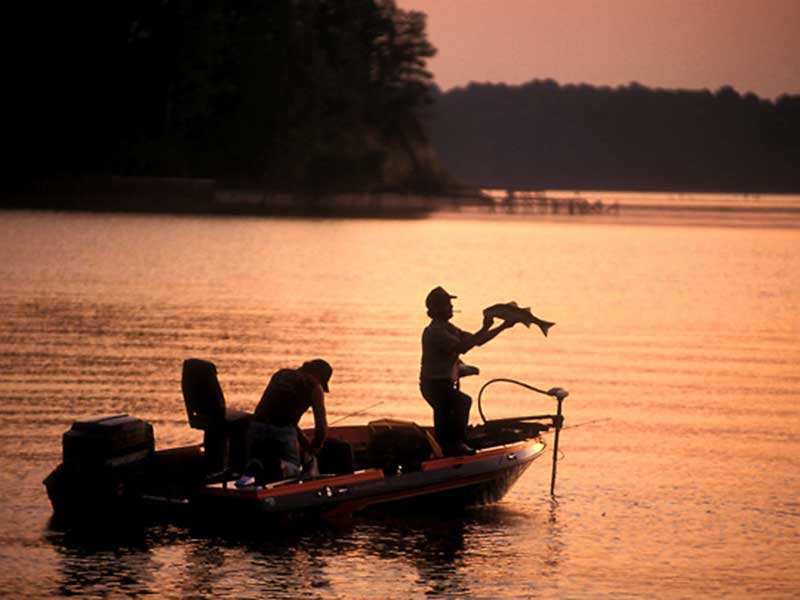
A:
(277, 447)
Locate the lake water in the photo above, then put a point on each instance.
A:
(679, 341)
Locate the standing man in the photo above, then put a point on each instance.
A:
(274, 433)
(442, 343)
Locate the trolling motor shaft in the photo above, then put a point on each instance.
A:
(557, 422)
(557, 419)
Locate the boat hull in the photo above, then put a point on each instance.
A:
(448, 483)
(172, 485)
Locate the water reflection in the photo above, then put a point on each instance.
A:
(289, 568)
(451, 556)
(103, 567)
(553, 541)
(472, 553)
(434, 546)
(202, 570)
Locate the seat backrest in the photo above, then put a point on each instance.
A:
(202, 394)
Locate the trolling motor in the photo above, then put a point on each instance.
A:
(556, 420)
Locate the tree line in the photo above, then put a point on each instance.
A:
(334, 95)
(290, 94)
(542, 135)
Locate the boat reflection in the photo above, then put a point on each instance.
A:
(100, 566)
(463, 554)
(435, 547)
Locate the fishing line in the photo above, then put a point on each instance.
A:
(587, 423)
(358, 412)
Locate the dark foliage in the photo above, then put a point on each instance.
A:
(294, 94)
(542, 135)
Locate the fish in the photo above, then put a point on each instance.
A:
(512, 313)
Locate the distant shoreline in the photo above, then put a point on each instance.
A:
(205, 196)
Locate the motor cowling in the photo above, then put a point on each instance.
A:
(104, 461)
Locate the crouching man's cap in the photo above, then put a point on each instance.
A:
(320, 369)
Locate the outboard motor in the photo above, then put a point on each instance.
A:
(104, 460)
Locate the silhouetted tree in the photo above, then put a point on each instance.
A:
(289, 93)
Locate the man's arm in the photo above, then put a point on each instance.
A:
(305, 445)
(483, 335)
(320, 419)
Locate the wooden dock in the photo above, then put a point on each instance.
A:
(526, 203)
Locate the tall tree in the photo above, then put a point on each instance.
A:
(289, 93)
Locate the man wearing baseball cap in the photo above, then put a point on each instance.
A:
(288, 395)
(442, 343)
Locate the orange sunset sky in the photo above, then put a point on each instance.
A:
(752, 45)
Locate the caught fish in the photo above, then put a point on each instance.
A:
(514, 314)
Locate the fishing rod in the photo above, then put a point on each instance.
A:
(558, 419)
(358, 412)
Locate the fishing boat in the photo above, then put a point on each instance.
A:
(111, 469)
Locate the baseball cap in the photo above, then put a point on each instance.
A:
(437, 297)
(321, 369)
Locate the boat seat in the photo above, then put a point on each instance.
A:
(224, 429)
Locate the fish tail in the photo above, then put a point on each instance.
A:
(545, 326)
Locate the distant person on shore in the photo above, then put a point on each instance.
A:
(277, 446)
(442, 343)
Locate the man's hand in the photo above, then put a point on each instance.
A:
(488, 320)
